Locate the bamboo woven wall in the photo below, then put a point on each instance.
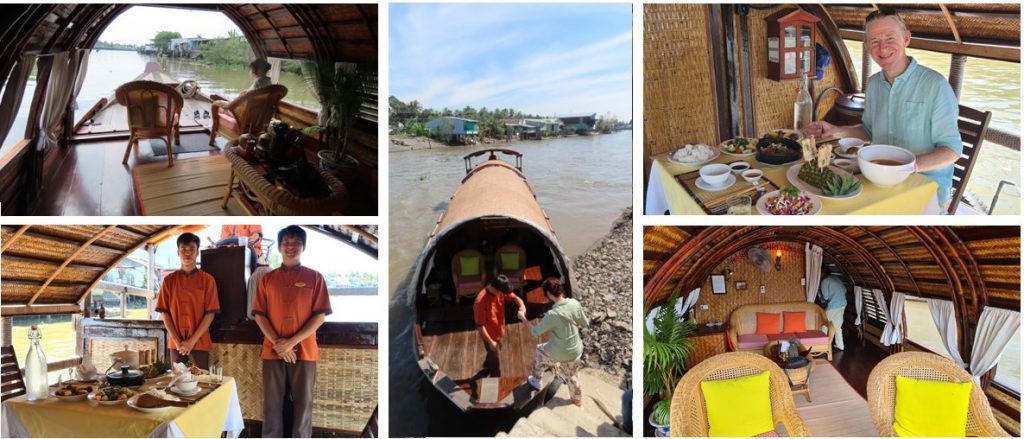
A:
(704, 347)
(101, 348)
(346, 384)
(679, 101)
(780, 286)
(773, 100)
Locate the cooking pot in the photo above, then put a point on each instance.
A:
(126, 377)
(126, 357)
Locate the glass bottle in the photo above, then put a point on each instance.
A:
(35, 367)
(803, 106)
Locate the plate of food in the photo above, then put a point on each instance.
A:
(694, 155)
(112, 395)
(782, 133)
(831, 182)
(739, 147)
(788, 201)
(72, 392)
(777, 151)
(154, 403)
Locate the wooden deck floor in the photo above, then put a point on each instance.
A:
(91, 180)
(114, 119)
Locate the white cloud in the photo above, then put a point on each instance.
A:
(140, 24)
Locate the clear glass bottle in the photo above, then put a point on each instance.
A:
(803, 106)
(36, 386)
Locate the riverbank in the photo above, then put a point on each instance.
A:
(604, 286)
(399, 143)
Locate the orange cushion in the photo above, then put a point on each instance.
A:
(793, 321)
(228, 121)
(768, 323)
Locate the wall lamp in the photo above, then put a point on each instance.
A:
(778, 260)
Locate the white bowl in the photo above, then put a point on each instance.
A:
(847, 142)
(738, 167)
(187, 386)
(715, 174)
(753, 176)
(885, 175)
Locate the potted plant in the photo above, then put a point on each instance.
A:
(667, 344)
(340, 93)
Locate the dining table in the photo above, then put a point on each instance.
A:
(215, 410)
(665, 194)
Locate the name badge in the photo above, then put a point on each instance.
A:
(300, 284)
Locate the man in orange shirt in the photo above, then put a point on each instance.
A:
(489, 314)
(187, 303)
(291, 303)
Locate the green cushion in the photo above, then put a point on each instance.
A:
(510, 261)
(931, 408)
(738, 406)
(469, 265)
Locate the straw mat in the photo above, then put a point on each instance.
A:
(837, 409)
(716, 202)
(193, 186)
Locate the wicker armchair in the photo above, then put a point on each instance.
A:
(247, 114)
(689, 417)
(514, 273)
(153, 113)
(924, 365)
(467, 285)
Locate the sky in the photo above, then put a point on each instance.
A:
(140, 24)
(545, 59)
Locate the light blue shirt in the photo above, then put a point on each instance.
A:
(834, 292)
(917, 112)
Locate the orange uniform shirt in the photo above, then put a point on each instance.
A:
(288, 298)
(489, 312)
(188, 298)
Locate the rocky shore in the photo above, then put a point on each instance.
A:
(604, 286)
(399, 143)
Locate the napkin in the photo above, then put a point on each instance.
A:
(180, 372)
(86, 370)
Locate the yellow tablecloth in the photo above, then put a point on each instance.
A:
(54, 418)
(907, 198)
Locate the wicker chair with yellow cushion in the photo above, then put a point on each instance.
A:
(468, 273)
(510, 260)
(925, 366)
(153, 113)
(247, 114)
(689, 413)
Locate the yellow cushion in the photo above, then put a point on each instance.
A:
(469, 265)
(509, 261)
(931, 408)
(738, 406)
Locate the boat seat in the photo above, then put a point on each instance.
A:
(247, 114)
(510, 260)
(153, 112)
(973, 125)
(10, 374)
(468, 273)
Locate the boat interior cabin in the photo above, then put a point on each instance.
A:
(835, 315)
(736, 87)
(493, 226)
(112, 161)
(92, 291)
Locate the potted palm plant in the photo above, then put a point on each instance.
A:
(668, 341)
(340, 90)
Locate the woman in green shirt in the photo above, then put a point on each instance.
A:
(565, 347)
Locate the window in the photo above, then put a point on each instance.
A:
(921, 327)
(368, 110)
(871, 310)
(1008, 369)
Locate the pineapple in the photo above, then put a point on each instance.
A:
(840, 186)
(815, 171)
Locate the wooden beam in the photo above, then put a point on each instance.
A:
(952, 25)
(68, 260)
(25, 310)
(367, 235)
(998, 53)
(17, 234)
(158, 235)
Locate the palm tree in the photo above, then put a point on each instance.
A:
(666, 348)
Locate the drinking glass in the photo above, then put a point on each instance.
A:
(739, 205)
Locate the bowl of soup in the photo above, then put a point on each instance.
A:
(885, 165)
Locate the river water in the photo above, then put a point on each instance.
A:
(108, 69)
(988, 85)
(581, 182)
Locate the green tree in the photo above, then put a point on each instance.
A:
(164, 37)
(233, 50)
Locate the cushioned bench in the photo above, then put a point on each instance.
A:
(817, 331)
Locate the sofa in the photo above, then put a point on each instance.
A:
(817, 334)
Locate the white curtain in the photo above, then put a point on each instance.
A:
(891, 334)
(812, 270)
(996, 328)
(64, 83)
(685, 305)
(858, 301)
(945, 322)
(83, 67)
(14, 90)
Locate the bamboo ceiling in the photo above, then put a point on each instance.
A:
(972, 266)
(994, 23)
(342, 32)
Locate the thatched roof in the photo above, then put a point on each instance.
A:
(343, 32)
(53, 267)
(972, 266)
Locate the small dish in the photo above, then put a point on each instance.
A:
(715, 174)
(738, 167)
(753, 176)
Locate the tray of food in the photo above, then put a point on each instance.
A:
(72, 392)
(739, 147)
(112, 395)
(789, 201)
(778, 149)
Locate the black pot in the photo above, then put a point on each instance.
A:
(776, 158)
(126, 378)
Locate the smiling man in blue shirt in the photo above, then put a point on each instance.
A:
(906, 104)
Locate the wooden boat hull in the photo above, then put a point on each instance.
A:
(493, 202)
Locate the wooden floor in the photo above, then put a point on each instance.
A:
(114, 118)
(91, 180)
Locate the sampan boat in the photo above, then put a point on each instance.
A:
(493, 225)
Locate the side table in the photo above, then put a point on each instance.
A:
(799, 377)
(259, 197)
